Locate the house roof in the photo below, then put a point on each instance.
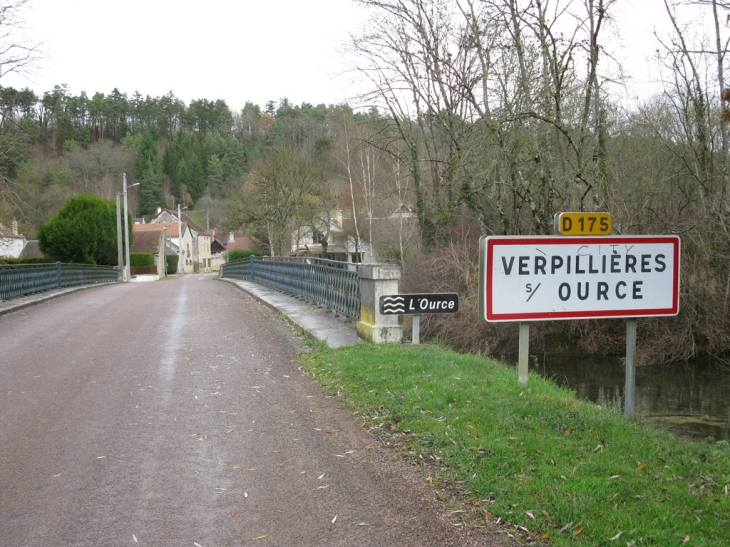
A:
(171, 228)
(8, 232)
(147, 241)
(240, 241)
(166, 213)
(31, 250)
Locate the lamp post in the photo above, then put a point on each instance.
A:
(127, 271)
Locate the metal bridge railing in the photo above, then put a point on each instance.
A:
(22, 279)
(330, 283)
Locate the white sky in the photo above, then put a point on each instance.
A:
(238, 50)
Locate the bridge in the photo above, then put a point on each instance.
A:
(174, 413)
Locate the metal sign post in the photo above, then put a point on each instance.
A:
(416, 332)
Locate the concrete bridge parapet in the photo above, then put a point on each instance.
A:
(375, 281)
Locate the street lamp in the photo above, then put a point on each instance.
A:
(127, 271)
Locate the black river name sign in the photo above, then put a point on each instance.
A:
(416, 304)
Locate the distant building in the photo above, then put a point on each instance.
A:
(345, 241)
(199, 257)
(151, 241)
(11, 242)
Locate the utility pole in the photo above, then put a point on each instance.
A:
(120, 258)
(127, 270)
(179, 240)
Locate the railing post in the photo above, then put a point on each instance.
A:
(58, 275)
(377, 280)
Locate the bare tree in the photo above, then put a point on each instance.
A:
(17, 54)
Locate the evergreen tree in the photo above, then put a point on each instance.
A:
(84, 231)
(148, 171)
(151, 189)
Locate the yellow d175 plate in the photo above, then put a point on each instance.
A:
(583, 224)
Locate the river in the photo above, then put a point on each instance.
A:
(689, 399)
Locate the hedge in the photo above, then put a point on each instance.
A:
(141, 259)
(26, 261)
(171, 263)
(237, 254)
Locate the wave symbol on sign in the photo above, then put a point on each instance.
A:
(394, 304)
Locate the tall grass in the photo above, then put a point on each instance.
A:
(536, 457)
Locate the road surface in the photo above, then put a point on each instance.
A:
(174, 414)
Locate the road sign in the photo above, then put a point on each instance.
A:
(540, 278)
(583, 224)
(416, 304)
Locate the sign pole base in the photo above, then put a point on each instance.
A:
(524, 352)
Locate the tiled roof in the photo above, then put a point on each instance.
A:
(147, 241)
(31, 250)
(171, 228)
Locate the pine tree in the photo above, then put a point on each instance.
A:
(148, 171)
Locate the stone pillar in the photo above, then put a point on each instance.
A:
(377, 280)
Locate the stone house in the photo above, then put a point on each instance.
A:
(151, 241)
(173, 241)
(200, 254)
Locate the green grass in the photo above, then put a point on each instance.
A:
(536, 456)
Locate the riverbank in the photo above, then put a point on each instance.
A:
(554, 467)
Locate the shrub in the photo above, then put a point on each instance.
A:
(237, 254)
(26, 261)
(141, 259)
(171, 261)
(84, 231)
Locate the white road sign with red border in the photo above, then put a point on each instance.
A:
(543, 277)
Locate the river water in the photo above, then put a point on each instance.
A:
(689, 399)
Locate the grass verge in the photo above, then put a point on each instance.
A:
(566, 470)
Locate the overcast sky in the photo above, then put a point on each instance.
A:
(236, 50)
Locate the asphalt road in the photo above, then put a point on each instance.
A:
(174, 414)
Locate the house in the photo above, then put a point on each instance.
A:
(151, 241)
(11, 242)
(173, 240)
(218, 251)
(371, 240)
(337, 241)
(199, 256)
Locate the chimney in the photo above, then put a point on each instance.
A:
(14, 227)
(231, 239)
(159, 210)
(338, 216)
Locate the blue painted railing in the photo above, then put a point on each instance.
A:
(330, 283)
(22, 279)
